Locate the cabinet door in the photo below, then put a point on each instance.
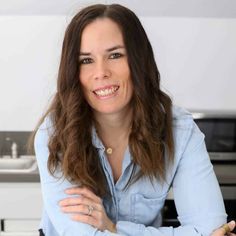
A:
(20, 225)
(19, 233)
(20, 201)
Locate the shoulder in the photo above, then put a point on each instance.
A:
(181, 117)
(43, 133)
(185, 131)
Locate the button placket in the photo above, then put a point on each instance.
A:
(108, 173)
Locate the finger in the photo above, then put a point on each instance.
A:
(75, 201)
(75, 209)
(96, 219)
(231, 225)
(85, 192)
(221, 231)
(80, 201)
(70, 201)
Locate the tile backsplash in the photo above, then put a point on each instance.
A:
(7, 138)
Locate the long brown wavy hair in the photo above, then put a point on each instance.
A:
(151, 137)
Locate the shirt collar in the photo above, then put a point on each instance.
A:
(97, 143)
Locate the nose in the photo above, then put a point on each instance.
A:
(102, 70)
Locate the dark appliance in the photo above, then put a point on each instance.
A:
(220, 136)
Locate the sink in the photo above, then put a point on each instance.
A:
(22, 164)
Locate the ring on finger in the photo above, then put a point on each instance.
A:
(90, 210)
(226, 228)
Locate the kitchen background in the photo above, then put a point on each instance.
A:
(195, 49)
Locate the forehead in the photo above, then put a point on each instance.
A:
(101, 33)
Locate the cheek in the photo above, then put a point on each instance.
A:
(128, 81)
(128, 84)
(84, 81)
(84, 75)
(84, 87)
(82, 78)
(130, 88)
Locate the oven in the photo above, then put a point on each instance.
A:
(220, 137)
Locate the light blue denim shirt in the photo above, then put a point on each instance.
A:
(137, 210)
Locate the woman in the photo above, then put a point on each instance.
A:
(111, 144)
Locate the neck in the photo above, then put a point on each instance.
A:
(114, 128)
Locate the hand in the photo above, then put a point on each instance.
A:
(87, 208)
(221, 230)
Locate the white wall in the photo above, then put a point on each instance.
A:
(30, 52)
(196, 58)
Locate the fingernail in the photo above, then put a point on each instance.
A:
(232, 223)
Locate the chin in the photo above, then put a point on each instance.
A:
(108, 110)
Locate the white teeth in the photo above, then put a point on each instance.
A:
(106, 92)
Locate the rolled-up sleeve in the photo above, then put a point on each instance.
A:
(197, 194)
(53, 191)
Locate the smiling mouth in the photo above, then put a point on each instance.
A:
(106, 91)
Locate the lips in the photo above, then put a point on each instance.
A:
(106, 91)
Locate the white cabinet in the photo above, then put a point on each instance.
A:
(20, 208)
(19, 233)
(20, 225)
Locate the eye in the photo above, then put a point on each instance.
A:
(115, 55)
(85, 61)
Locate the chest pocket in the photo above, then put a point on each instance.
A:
(146, 210)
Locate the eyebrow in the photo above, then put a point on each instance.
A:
(108, 50)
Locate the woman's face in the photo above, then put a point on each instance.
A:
(104, 70)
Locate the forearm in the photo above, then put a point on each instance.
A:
(132, 229)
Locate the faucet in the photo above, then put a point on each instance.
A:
(14, 147)
(14, 150)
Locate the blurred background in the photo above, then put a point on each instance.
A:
(194, 43)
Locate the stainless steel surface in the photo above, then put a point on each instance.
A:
(223, 157)
(228, 192)
(219, 128)
(226, 173)
(23, 164)
(213, 114)
(219, 156)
